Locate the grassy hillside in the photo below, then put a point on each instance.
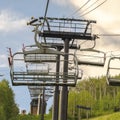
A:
(93, 93)
(114, 116)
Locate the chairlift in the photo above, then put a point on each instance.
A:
(113, 71)
(35, 91)
(91, 57)
(20, 75)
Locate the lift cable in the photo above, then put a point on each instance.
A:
(93, 9)
(109, 35)
(90, 6)
(46, 8)
(79, 8)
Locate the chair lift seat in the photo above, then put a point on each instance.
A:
(91, 63)
(113, 82)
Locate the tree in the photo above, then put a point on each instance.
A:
(96, 94)
(2, 113)
(7, 102)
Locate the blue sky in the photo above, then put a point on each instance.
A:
(14, 31)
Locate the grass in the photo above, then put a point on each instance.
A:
(113, 116)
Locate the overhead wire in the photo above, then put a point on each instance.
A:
(45, 14)
(108, 35)
(90, 5)
(79, 8)
(93, 8)
(46, 8)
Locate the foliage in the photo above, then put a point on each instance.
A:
(114, 116)
(25, 117)
(93, 93)
(30, 117)
(8, 108)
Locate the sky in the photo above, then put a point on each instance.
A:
(14, 32)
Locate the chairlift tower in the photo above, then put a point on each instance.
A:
(67, 30)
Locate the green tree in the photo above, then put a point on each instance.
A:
(9, 108)
(2, 113)
(94, 93)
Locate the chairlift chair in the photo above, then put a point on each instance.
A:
(35, 91)
(113, 71)
(20, 75)
(91, 57)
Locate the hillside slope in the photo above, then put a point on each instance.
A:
(114, 116)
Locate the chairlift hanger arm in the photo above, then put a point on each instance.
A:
(86, 28)
(91, 48)
(11, 57)
(112, 80)
(18, 53)
(33, 20)
(112, 58)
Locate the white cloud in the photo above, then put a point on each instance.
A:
(107, 15)
(11, 21)
(108, 21)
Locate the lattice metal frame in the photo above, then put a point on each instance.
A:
(66, 28)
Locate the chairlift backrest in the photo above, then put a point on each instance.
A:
(37, 55)
(36, 50)
(87, 45)
(113, 71)
(91, 57)
(38, 69)
(39, 58)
